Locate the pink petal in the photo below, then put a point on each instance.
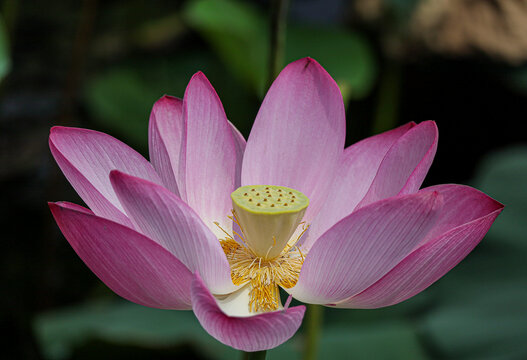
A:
(255, 333)
(298, 136)
(129, 263)
(406, 164)
(75, 207)
(428, 263)
(462, 204)
(165, 218)
(354, 177)
(210, 153)
(86, 158)
(364, 246)
(165, 140)
(239, 142)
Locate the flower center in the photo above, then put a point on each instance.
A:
(267, 255)
(268, 216)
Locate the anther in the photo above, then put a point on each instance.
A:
(252, 189)
(257, 194)
(272, 205)
(285, 204)
(265, 199)
(250, 199)
(245, 194)
(258, 204)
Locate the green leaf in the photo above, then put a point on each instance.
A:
(60, 332)
(346, 55)
(492, 323)
(380, 340)
(239, 34)
(121, 97)
(119, 101)
(5, 60)
(503, 175)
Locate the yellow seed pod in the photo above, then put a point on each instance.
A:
(268, 216)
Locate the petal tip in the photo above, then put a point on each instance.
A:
(431, 124)
(55, 131)
(199, 76)
(53, 206)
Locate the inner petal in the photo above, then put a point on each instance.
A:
(235, 304)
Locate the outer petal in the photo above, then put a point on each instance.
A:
(166, 132)
(165, 218)
(129, 263)
(431, 261)
(355, 174)
(364, 246)
(406, 164)
(462, 204)
(86, 158)
(74, 207)
(210, 153)
(298, 135)
(255, 333)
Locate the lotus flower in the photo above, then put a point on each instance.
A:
(218, 225)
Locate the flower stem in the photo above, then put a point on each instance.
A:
(386, 117)
(257, 355)
(313, 322)
(278, 26)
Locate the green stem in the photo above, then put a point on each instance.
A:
(388, 100)
(257, 355)
(278, 27)
(313, 322)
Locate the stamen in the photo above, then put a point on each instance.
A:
(264, 276)
(229, 236)
(266, 257)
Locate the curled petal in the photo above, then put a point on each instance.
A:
(75, 207)
(424, 266)
(364, 246)
(86, 158)
(255, 333)
(405, 165)
(298, 135)
(166, 132)
(129, 263)
(165, 218)
(355, 174)
(462, 204)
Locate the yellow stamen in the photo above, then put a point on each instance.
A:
(266, 257)
(263, 275)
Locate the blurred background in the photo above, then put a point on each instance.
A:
(102, 64)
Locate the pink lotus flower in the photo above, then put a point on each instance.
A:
(161, 234)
